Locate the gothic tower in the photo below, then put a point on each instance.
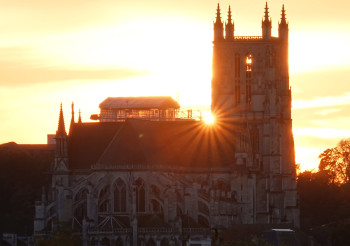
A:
(251, 93)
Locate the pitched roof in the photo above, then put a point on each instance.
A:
(150, 143)
(87, 141)
(160, 102)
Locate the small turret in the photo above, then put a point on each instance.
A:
(218, 26)
(230, 27)
(266, 24)
(283, 26)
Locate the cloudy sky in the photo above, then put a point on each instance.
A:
(85, 50)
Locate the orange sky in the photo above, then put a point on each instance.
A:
(84, 50)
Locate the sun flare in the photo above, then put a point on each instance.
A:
(209, 119)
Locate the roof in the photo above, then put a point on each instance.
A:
(161, 102)
(158, 143)
(87, 141)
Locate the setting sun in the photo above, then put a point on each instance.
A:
(209, 118)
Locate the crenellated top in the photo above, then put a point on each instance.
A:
(266, 25)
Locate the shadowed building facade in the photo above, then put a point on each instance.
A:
(250, 89)
(139, 181)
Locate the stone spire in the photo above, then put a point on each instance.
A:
(229, 28)
(61, 130)
(218, 26)
(266, 24)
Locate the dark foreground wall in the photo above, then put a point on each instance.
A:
(23, 172)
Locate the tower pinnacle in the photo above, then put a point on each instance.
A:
(218, 26)
(218, 15)
(79, 119)
(283, 16)
(229, 18)
(283, 27)
(61, 130)
(266, 24)
(229, 27)
(266, 19)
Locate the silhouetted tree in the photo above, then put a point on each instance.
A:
(336, 162)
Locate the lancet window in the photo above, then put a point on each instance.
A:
(140, 195)
(119, 196)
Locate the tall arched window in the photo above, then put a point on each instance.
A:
(120, 196)
(104, 199)
(140, 195)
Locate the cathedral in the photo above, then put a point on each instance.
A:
(142, 176)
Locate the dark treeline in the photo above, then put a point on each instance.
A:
(22, 176)
(322, 202)
(325, 197)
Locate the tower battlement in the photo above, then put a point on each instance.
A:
(226, 32)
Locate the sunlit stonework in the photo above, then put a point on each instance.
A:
(142, 176)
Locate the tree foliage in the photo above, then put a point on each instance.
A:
(324, 207)
(336, 162)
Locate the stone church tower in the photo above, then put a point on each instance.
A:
(251, 93)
